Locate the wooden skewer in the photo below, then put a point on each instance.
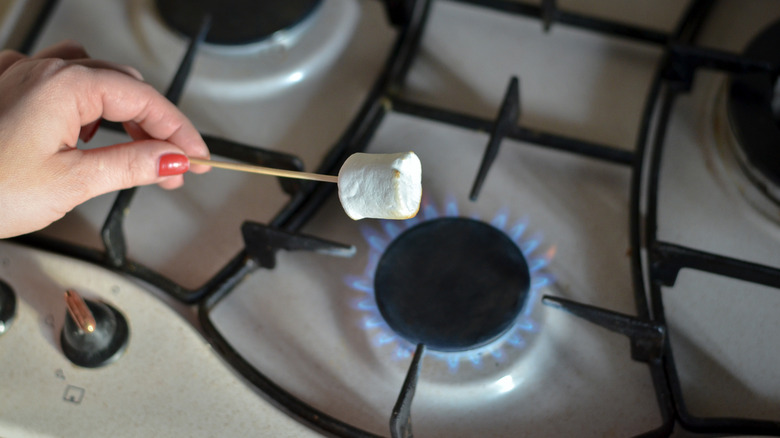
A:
(266, 170)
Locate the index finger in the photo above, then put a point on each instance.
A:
(120, 98)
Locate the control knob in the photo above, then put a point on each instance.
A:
(94, 333)
(7, 306)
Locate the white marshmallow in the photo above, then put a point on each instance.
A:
(381, 186)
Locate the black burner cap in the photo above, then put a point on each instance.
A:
(452, 284)
(235, 22)
(750, 108)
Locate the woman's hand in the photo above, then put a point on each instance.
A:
(48, 102)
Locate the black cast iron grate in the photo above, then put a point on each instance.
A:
(647, 331)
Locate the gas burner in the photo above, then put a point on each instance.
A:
(235, 22)
(442, 233)
(756, 132)
(452, 284)
(271, 56)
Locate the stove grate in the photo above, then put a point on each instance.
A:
(647, 332)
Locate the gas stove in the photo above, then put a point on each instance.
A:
(595, 254)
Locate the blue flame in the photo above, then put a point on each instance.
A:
(383, 335)
(392, 229)
(516, 232)
(451, 208)
(429, 212)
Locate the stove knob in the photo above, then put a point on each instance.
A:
(7, 306)
(94, 334)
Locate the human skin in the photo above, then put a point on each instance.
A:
(51, 100)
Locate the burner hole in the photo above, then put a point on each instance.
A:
(235, 22)
(754, 115)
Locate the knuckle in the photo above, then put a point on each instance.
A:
(134, 172)
(68, 72)
(60, 73)
(129, 170)
(47, 74)
(100, 173)
(50, 66)
(58, 79)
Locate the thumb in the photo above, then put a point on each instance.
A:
(126, 165)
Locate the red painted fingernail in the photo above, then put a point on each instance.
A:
(173, 164)
(87, 132)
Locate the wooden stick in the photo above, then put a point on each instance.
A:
(266, 170)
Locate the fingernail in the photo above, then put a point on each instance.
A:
(87, 132)
(173, 164)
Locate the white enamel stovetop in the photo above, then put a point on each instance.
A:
(309, 324)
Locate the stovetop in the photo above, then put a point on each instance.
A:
(246, 316)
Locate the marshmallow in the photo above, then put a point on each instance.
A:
(381, 186)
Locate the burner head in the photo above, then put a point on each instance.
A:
(452, 284)
(754, 123)
(235, 22)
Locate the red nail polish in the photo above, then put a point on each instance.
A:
(173, 164)
(88, 131)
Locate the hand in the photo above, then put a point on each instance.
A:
(49, 101)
